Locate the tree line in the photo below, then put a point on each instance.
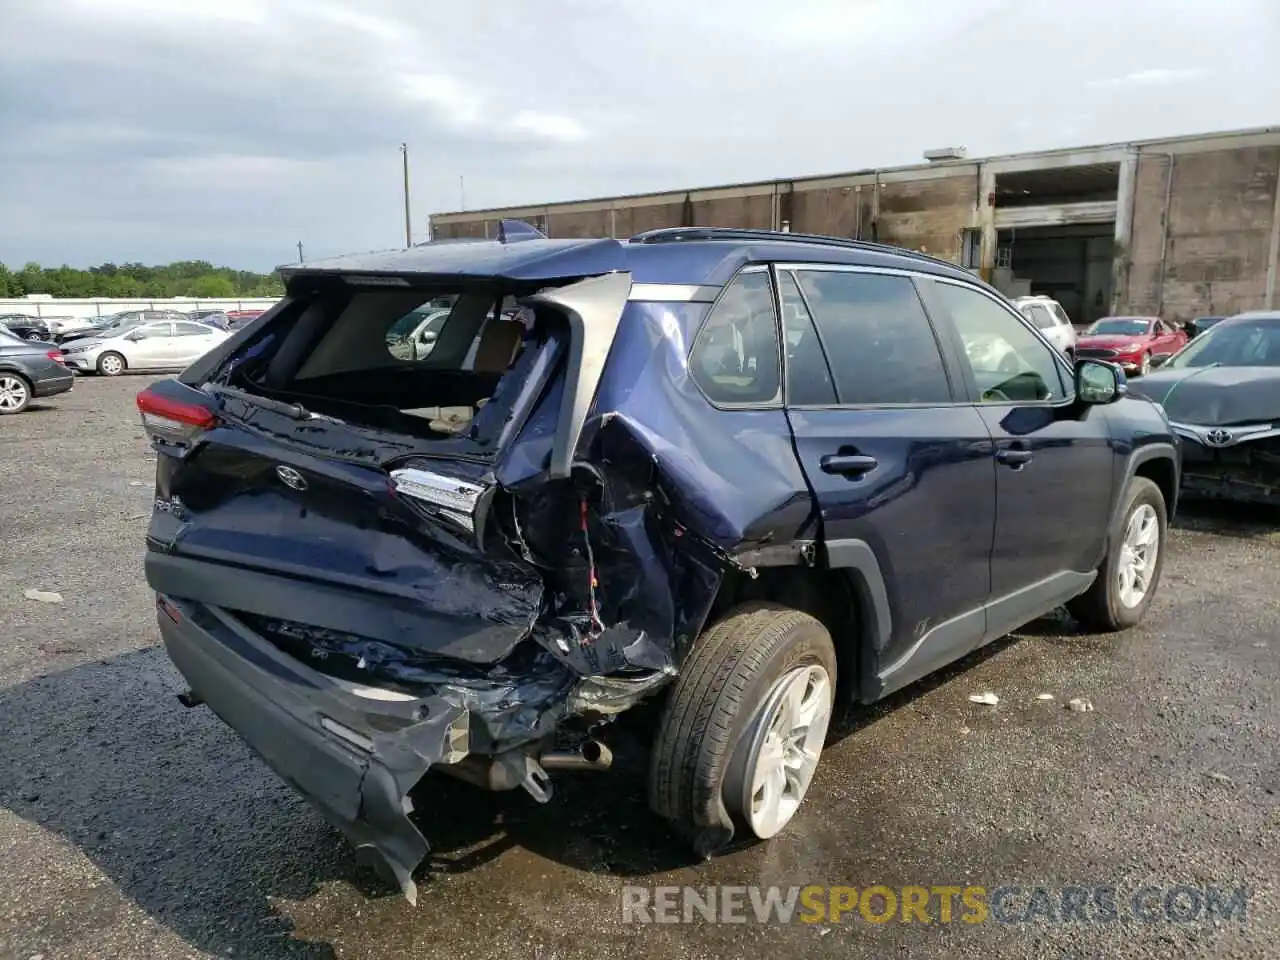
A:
(187, 278)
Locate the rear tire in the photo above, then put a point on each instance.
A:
(711, 741)
(15, 393)
(1108, 606)
(112, 364)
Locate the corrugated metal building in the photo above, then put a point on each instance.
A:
(1182, 227)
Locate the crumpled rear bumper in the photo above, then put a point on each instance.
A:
(354, 759)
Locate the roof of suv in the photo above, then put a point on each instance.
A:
(682, 255)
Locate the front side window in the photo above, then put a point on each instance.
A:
(735, 358)
(1008, 361)
(878, 338)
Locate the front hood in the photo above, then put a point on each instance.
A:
(1108, 342)
(1214, 396)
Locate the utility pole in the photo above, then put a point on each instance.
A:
(462, 193)
(300, 258)
(408, 223)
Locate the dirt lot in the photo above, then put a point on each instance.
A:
(130, 827)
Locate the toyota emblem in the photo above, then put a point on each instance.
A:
(291, 477)
(1217, 438)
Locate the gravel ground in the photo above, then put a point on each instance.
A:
(130, 827)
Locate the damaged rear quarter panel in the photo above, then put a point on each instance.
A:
(681, 485)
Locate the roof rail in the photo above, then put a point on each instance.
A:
(743, 235)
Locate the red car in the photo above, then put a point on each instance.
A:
(1131, 342)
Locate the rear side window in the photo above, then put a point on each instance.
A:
(1039, 316)
(735, 358)
(809, 380)
(878, 338)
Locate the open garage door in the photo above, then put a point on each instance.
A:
(1070, 264)
(1055, 236)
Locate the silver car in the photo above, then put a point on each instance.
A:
(165, 345)
(1047, 314)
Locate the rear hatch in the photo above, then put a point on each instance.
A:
(314, 472)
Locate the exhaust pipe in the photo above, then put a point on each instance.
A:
(592, 755)
(519, 769)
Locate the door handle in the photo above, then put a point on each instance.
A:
(1014, 458)
(849, 464)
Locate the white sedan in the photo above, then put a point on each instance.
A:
(162, 345)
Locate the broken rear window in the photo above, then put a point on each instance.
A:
(407, 360)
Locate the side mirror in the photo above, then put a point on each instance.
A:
(1099, 383)
(428, 336)
(133, 337)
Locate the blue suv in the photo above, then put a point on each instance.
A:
(746, 475)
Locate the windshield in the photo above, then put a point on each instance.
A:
(1119, 327)
(1255, 344)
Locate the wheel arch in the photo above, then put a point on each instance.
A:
(1157, 462)
(843, 587)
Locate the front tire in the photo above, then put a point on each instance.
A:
(743, 730)
(1130, 574)
(15, 393)
(112, 364)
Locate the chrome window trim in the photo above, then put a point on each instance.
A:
(674, 292)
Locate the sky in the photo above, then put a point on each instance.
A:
(229, 130)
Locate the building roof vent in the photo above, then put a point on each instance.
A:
(946, 153)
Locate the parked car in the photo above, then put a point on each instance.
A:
(242, 318)
(1133, 343)
(142, 346)
(1200, 324)
(215, 318)
(81, 327)
(651, 500)
(1222, 393)
(28, 328)
(29, 370)
(96, 325)
(414, 335)
(1047, 314)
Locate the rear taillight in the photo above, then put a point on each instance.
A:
(172, 420)
(56, 356)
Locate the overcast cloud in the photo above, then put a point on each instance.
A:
(227, 130)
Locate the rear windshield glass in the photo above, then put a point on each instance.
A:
(411, 360)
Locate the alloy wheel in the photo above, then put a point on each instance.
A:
(784, 746)
(14, 394)
(1138, 553)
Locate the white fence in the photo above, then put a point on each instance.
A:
(103, 306)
